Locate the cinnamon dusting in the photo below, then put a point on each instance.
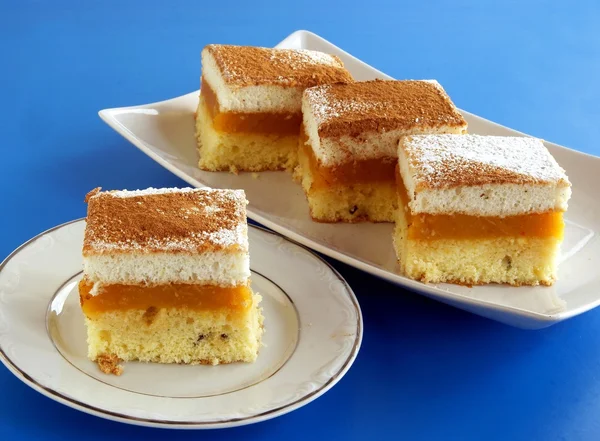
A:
(186, 220)
(352, 109)
(250, 66)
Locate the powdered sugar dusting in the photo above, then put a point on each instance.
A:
(324, 108)
(293, 60)
(440, 161)
(245, 65)
(364, 120)
(381, 106)
(170, 219)
(298, 58)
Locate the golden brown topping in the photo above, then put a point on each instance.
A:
(251, 66)
(171, 220)
(351, 109)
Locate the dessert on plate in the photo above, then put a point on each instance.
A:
(167, 279)
(349, 143)
(479, 209)
(249, 111)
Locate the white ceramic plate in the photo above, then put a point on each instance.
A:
(165, 132)
(313, 332)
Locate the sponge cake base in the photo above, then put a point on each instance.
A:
(509, 260)
(176, 335)
(223, 151)
(359, 202)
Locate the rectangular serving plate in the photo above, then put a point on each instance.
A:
(165, 132)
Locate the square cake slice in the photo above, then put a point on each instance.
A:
(350, 134)
(479, 209)
(166, 278)
(249, 112)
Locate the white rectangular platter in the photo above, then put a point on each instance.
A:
(165, 132)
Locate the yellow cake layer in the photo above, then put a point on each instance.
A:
(115, 297)
(515, 260)
(176, 335)
(370, 201)
(232, 151)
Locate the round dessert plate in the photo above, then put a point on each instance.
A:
(313, 331)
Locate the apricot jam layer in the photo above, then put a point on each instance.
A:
(351, 172)
(423, 226)
(197, 297)
(283, 123)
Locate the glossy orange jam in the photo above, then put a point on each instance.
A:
(196, 297)
(282, 123)
(351, 172)
(423, 226)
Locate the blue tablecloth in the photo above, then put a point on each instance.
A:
(425, 371)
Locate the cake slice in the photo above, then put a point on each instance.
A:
(479, 209)
(166, 278)
(249, 112)
(350, 134)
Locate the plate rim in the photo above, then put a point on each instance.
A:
(64, 399)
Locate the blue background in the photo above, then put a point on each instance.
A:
(425, 371)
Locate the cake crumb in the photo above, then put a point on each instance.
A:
(110, 364)
(255, 175)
